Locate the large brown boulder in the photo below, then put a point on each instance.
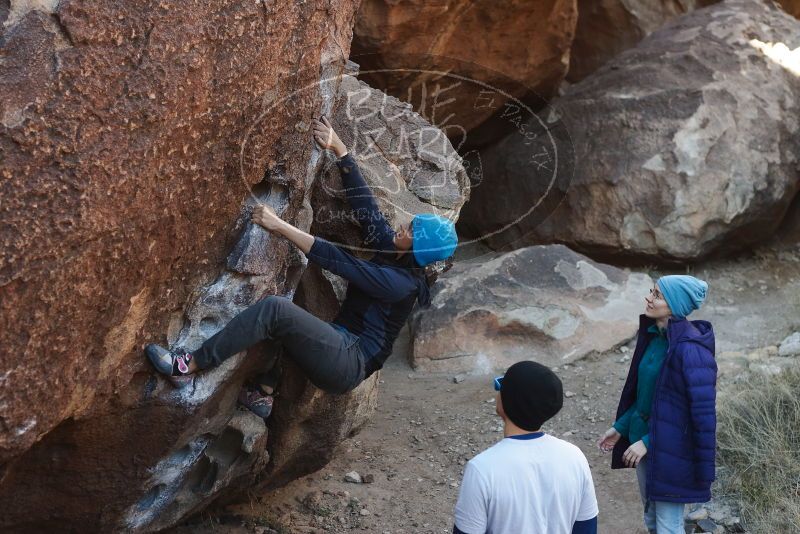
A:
(685, 146)
(607, 27)
(405, 47)
(543, 303)
(132, 137)
(133, 140)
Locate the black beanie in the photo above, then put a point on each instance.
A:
(531, 394)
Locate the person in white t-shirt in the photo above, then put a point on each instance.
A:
(529, 482)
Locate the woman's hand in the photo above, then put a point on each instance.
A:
(265, 216)
(634, 454)
(608, 440)
(327, 138)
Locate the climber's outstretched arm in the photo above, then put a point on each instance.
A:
(384, 283)
(265, 216)
(375, 229)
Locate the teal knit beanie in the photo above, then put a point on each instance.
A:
(434, 238)
(683, 293)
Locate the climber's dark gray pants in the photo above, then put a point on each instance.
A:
(330, 358)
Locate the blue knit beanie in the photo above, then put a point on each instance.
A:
(683, 293)
(434, 238)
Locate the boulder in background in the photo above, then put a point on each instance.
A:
(686, 146)
(607, 27)
(488, 41)
(542, 303)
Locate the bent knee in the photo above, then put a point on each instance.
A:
(275, 306)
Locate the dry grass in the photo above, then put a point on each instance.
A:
(759, 450)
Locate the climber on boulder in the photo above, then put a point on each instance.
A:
(336, 356)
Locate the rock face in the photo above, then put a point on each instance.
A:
(482, 40)
(791, 6)
(685, 146)
(607, 27)
(133, 140)
(543, 303)
(397, 151)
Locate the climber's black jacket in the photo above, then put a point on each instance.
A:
(382, 290)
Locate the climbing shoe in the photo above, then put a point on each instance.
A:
(254, 399)
(173, 364)
(268, 381)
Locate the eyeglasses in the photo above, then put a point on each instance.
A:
(498, 381)
(656, 294)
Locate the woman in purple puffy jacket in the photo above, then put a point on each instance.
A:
(666, 419)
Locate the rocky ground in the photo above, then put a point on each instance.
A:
(411, 455)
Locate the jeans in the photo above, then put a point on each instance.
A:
(331, 358)
(661, 517)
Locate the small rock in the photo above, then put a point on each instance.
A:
(364, 511)
(716, 515)
(569, 394)
(458, 379)
(353, 477)
(313, 500)
(731, 522)
(707, 525)
(697, 515)
(766, 369)
(790, 346)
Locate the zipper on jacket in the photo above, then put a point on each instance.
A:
(651, 420)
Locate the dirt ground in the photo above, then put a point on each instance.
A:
(427, 427)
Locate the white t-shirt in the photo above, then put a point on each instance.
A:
(526, 486)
